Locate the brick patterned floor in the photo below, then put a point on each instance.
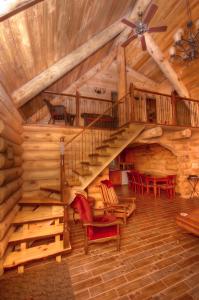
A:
(157, 260)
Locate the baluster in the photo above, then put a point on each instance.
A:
(77, 108)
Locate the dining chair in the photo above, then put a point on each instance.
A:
(138, 184)
(168, 187)
(130, 179)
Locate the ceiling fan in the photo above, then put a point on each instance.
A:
(141, 26)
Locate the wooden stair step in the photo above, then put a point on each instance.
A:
(99, 155)
(35, 216)
(51, 188)
(82, 172)
(107, 147)
(110, 140)
(113, 139)
(16, 258)
(36, 233)
(102, 147)
(42, 201)
(118, 132)
(90, 163)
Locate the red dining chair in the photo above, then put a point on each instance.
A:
(168, 187)
(130, 179)
(137, 181)
(97, 228)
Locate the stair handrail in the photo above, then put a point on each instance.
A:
(97, 119)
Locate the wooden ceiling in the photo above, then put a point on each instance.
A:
(37, 37)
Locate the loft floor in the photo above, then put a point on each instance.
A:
(157, 259)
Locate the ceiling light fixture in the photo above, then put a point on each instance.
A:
(186, 42)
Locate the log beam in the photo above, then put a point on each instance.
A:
(64, 65)
(182, 134)
(165, 66)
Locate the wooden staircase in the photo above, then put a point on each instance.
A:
(37, 233)
(38, 225)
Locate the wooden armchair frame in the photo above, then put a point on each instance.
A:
(58, 112)
(122, 206)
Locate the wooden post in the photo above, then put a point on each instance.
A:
(66, 197)
(77, 108)
(121, 84)
(173, 103)
(62, 168)
(132, 103)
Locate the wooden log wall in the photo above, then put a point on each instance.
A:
(42, 155)
(94, 189)
(153, 159)
(10, 167)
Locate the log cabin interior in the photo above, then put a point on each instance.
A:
(99, 100)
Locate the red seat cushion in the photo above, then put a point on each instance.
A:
(102, 232)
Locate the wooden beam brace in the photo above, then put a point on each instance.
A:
(152, 133)
(165, 66)
(11, 7)
(145, 81)
(56, 71)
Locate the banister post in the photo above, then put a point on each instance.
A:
(66, 235)
(65, 194)
(131, 91)
(62, 168)
(173, 103)
(77, 108)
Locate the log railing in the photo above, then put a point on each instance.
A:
(143, 106)
(76, 105)
(163, 109)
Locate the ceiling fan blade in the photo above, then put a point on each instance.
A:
(143, 42)
(150, 13)
(127, 22)
(130, 39)
(157, 29)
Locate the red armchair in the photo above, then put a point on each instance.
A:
(97, 228)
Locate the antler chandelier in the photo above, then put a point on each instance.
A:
(186, 42)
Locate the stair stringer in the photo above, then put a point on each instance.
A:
(96, 170)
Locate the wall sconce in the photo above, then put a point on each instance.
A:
(99, 90)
